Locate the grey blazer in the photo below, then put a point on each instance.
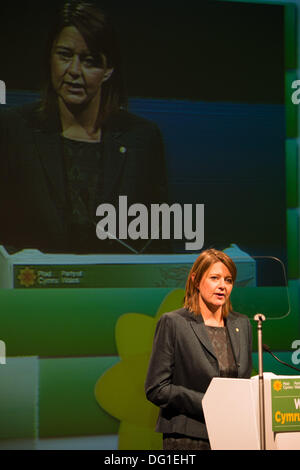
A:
(182, 365)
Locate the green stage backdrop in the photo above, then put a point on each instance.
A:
(76, 359)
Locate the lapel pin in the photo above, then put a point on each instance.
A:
(123, 149)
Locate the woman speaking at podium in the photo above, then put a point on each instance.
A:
(205, 339)
(78, 147)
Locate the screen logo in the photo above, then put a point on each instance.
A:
(2, 92)
(2, 352)
(160, 222)
(296, 354)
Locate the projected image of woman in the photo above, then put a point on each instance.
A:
(78, 147)
(205, 339)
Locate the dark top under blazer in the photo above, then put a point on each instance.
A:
(182, 365)
(32, 184)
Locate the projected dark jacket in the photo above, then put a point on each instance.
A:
(33, 199)
(182, 364)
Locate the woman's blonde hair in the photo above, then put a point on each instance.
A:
(204, 261)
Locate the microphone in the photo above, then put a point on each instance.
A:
(267, 349)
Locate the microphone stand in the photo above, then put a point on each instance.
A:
(259, 318)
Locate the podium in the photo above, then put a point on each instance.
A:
(231, 411)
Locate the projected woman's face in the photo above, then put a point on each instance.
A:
(77, 76)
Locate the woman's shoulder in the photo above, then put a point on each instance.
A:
(11, 115)
(124, 120)
(7, 113)
(181, 314)
(239, 317)
(10, 122)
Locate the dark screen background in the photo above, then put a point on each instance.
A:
(211, 51)
(211, 74)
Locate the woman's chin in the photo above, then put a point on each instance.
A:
(74, 100)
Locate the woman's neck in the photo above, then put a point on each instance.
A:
(79, 123)
(211, 316)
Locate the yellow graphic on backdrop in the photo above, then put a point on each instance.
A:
(134, 337)
(27, 277)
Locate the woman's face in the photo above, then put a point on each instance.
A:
(216, 285)
(76, 75)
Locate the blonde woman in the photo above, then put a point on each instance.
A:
(205, 339)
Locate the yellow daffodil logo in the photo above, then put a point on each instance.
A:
(27, 277)
(120, 390)
(277, 385)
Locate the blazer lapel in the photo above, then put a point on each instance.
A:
(233, 328)
(200, 330)
(114, 155)
(49, 148)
